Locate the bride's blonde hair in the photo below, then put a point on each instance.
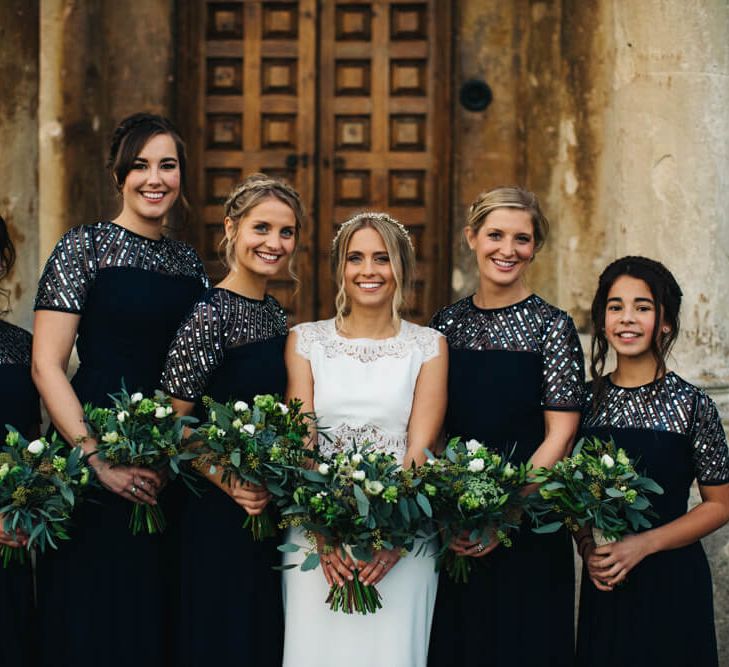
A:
(399, 249)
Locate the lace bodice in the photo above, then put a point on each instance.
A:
(363, 388)
(15, 345)
(220, 321)
(85, 250)
(533, 326)
(673, 405)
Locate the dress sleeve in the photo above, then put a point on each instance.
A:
(200, 268)
(196, 351)
(305, 337)
(563, 367)
(69, 273)
(429, 342)
(710, 453)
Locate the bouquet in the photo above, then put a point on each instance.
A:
(597, 485)
(264, 444)
(144, 432)
(473, 490)
(40, 482)
(361, 500)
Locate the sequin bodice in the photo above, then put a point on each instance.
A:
(86, 250)
(15, 345)
(532, 326)
(671, 405)
(221, 321)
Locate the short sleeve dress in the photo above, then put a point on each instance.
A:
(663, 613)
(104, 597)
(507, 366)
(229, 348)
(19, 407)
(363, 391)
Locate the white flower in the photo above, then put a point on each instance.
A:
(607, 461)
(431, 462)
(240, 406)
(160, 412)
(356, 459)
(168, 409)
(221, 433)
(323, 469)
(136, 397)
(213, 416)
(359, 475)
(111, 437)
(473, 446)
(249, 428)
(237, 423)
(508, 471)
(475, 465)
(374, 488)
(4, 470)
(284, 408)
(121, 416)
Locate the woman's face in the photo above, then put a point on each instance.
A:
(504, 246)
(630, 317)
(266, 238)
(153, 183)
(369, 280)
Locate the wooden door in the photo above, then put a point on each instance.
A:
(345, 99)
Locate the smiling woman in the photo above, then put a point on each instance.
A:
(118, 289)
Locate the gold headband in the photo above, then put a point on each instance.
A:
(372, 215)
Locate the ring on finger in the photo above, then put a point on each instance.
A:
(480, 548)
(142, 483)
(383, 563)
(133, 490)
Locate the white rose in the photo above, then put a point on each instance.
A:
(110, 437)
(356, 459)
(374, 488)
(607, 461)
(168, 409)
(323, 469)
(121, 416)
(136, 397)
(240, 406)
(473, 446)
(284, 408)
(237, 423)
(160, 412)
(359, 475)
(509, 471)
(475, 465)
(249, 428)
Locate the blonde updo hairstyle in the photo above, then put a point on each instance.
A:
(399, 249)
(245, 197)
(509, 197)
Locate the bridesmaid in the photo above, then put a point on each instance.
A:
(231, 346)
(648, 598)
(515, 382)
(18, 407)
(118, 289)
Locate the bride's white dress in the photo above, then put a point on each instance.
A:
(363, 389)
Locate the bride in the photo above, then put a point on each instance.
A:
(369, 376)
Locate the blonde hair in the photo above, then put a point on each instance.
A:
(509, 197)
(245, 197)
(399, 249)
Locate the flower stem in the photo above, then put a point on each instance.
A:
(354, 596)
(261, 526)
(149, 517)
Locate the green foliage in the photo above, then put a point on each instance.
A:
(40, 484)
(598, 486)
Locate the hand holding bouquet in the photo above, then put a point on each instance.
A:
(39, 486)
(474, 491)
(142, 432)
(361, 501)
(597, 485)
(264, 444)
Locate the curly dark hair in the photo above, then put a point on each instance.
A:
(666, 296)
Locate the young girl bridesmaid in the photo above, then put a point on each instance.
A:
(515, 382)
(648, 598)
(118, 290)
(18, 407)
(231, 346)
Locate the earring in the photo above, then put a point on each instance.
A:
(666, 330)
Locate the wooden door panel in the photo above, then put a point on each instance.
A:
(382, 118)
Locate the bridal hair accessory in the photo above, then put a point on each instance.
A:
(371, 215)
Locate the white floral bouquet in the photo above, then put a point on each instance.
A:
(143, 432)
(362, 501)
(264, 443)
(40, 484)
(597, 486)
(475, 492)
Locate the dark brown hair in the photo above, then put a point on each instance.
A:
(666, 296)
(130, 137)
(7, 259)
